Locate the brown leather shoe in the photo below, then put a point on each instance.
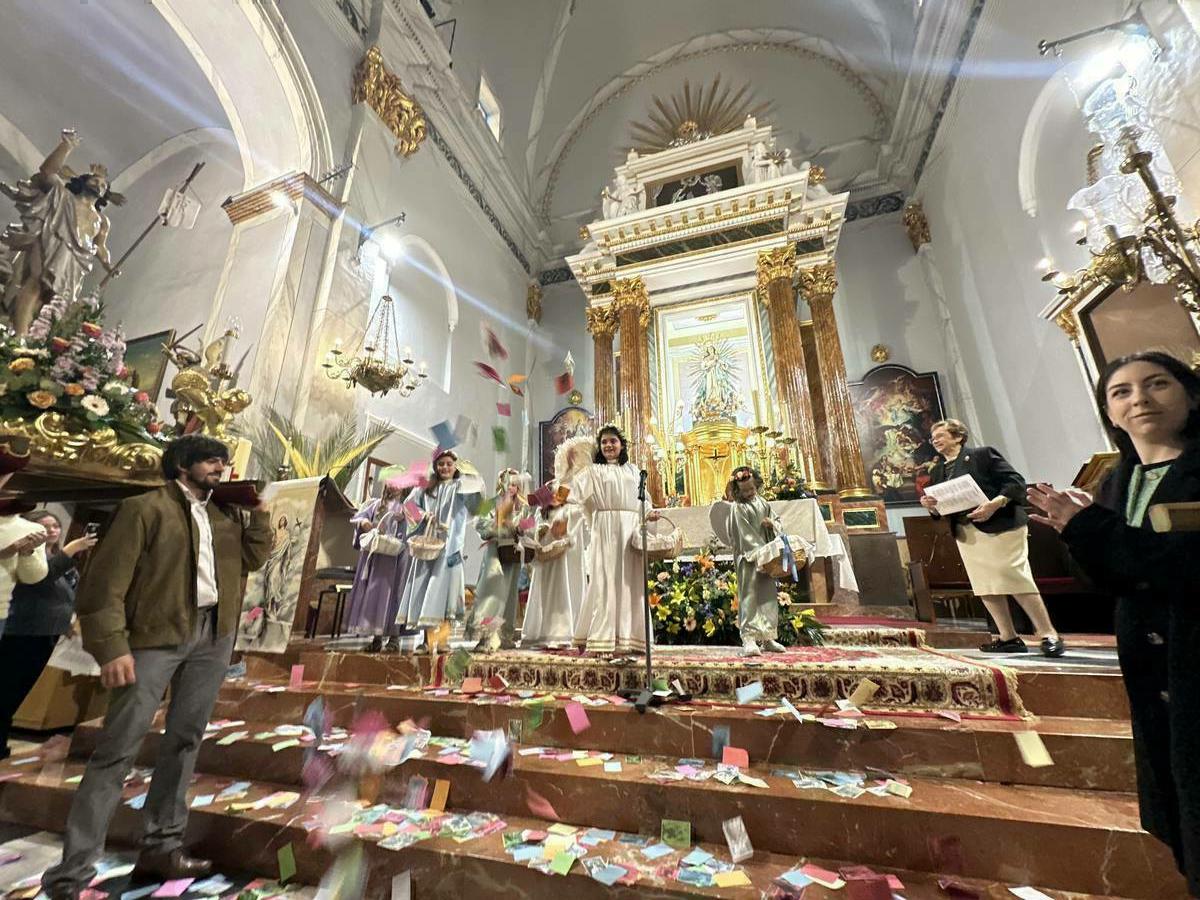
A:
(172, 865)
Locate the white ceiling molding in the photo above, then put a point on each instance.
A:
(15, 142)
(412, 48)
(195, 138)
(543, 92)
(798, 43)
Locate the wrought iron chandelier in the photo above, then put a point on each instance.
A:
(378, 366)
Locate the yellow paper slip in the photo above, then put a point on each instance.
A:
(560, 828)
(736, 878)
(441, 793)
(865, 691)
(590, 761)
(1033, 751)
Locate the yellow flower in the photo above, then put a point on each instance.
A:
(21, 364)
(40, 399)
(74, 390)
(709, 627)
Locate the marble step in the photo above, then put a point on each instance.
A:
(1095, 754)
(1071, 692)
(1041, 835)
(441, 867)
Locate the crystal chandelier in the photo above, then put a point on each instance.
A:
(373, 367)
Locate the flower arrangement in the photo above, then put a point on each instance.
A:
(787, 484)
(70, 365)
(695, 602)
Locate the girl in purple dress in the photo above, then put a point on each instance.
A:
(379, 578)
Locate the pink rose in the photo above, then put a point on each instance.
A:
(91, 329)
(141, 397)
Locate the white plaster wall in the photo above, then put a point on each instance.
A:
(1031, 400)
(489, 285)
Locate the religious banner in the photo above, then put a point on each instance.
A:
(269, 606)
(895, 409)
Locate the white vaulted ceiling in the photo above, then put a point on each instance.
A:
(572, 74)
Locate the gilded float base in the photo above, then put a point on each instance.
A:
(88, 455)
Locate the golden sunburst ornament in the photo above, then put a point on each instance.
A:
(693, 115)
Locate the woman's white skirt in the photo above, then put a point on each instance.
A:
(996, 563)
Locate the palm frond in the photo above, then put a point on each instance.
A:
(277, 442)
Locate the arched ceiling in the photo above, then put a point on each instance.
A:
(577, 72)
(116, 72)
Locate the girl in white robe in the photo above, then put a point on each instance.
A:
(556, 586)
(612, 619)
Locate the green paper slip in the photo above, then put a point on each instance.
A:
(562, 863)
(287, 863)
(676, 833)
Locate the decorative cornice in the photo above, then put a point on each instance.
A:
(380, 89)
(818, 282)
(477, 195)
(357, 23)
(964, 44)
(916, 224)
(874, 206)
(533, 303)
(554, 276)
(264, 198)
(601, 321)
(773, 265)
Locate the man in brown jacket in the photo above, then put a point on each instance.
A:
(158, 606)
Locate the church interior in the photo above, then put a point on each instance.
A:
(689, 448)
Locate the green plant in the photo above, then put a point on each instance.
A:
(278, 443)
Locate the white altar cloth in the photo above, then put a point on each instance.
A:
(799, 517)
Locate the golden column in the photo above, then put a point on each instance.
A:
(631, 303)
(818, 285)
(776, 269)
(602, 322)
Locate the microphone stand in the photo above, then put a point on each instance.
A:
(647, 697)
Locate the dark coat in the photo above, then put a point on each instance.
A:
(1155, 579)
(994, 476)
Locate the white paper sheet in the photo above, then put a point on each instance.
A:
(69, 655)
(956, 495)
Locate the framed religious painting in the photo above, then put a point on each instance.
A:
(572, 421)
(146, 363)
(895, 408)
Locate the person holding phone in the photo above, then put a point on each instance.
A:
(40, 614)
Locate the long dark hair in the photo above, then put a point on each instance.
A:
(38, 514)
(611, 429)
(433, 472)
(1176, 369)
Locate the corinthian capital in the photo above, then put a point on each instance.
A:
(776, 264)
(600, 321)
(630, 293)
(818, 282)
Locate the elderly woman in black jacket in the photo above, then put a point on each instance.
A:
(1150, 405)
(993, 538)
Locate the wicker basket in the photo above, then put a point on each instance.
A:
(430, 544)
(662, 545)
(774, 567)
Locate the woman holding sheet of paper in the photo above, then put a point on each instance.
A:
(993, 538)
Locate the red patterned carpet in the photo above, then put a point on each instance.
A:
(912, 680)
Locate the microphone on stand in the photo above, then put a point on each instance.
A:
(642, 476)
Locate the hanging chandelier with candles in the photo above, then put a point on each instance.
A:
(378, 365)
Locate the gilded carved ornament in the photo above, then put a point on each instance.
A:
(533, 303)
(1069, 326)
(631, 293)
(916, 225)
(601, 322)
(380, 89)
(96, 453)
(818, 282)
(773, 265)
(816, 175)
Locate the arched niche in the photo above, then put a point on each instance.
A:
(426, 304)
